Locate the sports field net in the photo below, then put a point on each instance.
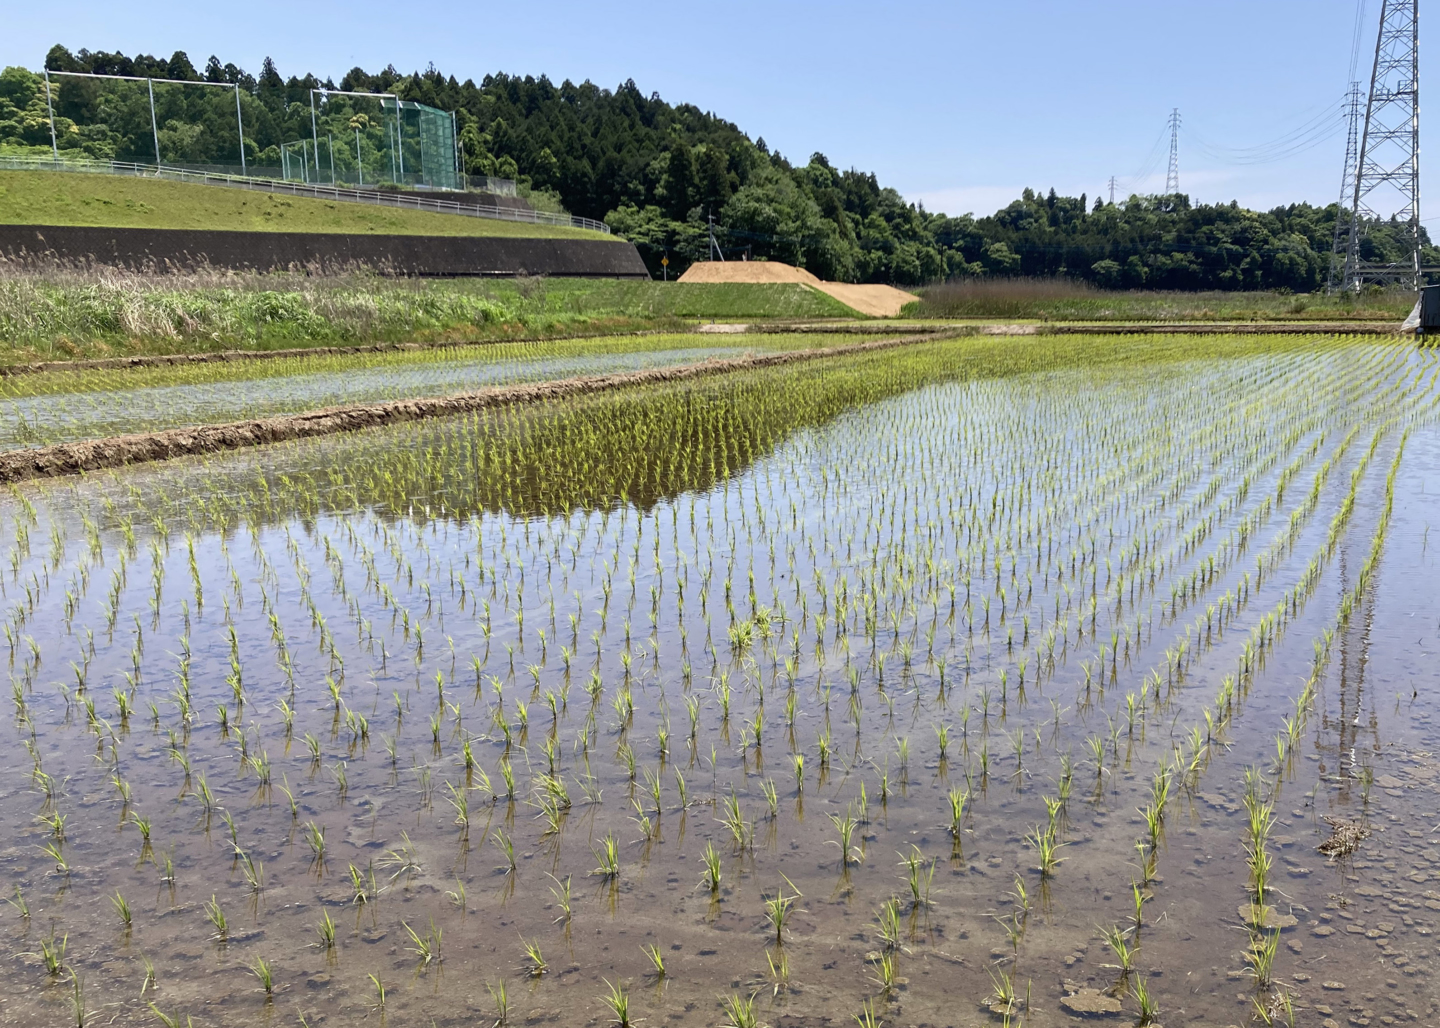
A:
(366, 140)
(357, 140)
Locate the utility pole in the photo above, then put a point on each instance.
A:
(1172, 177)
(1354, 104)
(1389, 153)
(714, 246)
(1112, 190)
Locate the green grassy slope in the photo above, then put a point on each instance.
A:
(61, 198)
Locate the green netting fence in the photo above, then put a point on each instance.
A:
(367, 140)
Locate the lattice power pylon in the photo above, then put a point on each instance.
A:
(1387, 171)
(1354, 109)
(1172, 177)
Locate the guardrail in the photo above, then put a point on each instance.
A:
(375, 197)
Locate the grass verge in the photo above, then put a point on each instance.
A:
(109, 201)
(50, 314)
(1066, 300)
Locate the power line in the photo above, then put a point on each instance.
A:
(1323, 126)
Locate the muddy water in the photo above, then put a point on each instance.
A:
(429, 623)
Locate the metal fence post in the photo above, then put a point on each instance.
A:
(50, 110)
(314, 133)
(150, 85)
(240, 127)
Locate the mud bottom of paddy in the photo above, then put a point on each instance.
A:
(904, 691)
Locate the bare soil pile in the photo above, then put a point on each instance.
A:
(876, 301)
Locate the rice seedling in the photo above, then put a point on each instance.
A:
(253, 871)
(425, 947)
(1149, 1011)
(1260, 958)
(535, 963)
(1119, 945)
(846, 826)
(326, 930)
(1046, 848)
(1002, 996)
(506, 846)
(122, 909)
(78, 1012)
(52, 954)
(265, 974)
(561, 892)
(315, 838)
(772, 798)
(710, 878)
(957, 799)
(868, 1018)
(19, 903)
(216, 917)
(778, 909)
(740, 1011)
(608, 856)
(887, 920)
(54, 852)
(617, 999)
(656, 958)
(501, 1000)
(171, 1020)
(919, 874)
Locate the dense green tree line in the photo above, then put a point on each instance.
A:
(658, 172)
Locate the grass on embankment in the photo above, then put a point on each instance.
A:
(109, 201)
(52, 314)
(1067, 300)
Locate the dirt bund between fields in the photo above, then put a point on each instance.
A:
(121, 451)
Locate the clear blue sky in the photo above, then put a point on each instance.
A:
(959, 104)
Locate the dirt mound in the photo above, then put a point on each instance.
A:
(876, 301)
(747, 271)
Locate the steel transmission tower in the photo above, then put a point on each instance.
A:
(1172, 177)
(1354, 105)
(1389, 154)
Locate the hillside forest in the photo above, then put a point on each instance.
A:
(656, 172)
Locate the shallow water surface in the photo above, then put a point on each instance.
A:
(415, 682)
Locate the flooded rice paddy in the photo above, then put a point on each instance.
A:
(60, 406)
(978, 682)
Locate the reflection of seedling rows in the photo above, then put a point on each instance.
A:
(1187, 769)
(1272, 1003)
(64, 406)
(610, 632)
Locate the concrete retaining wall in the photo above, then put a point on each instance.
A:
(185, 249)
